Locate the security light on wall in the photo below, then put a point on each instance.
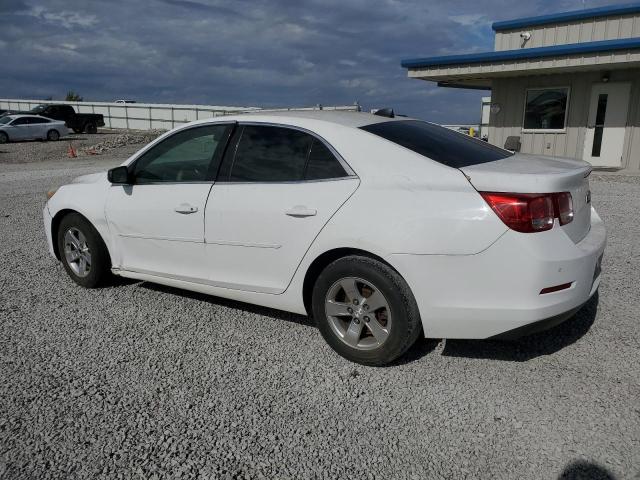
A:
(605, 77)
(525, 36)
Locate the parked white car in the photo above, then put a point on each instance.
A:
(30, 127)
(382, 228)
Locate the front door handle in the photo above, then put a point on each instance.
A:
(185, 209)
(301, 211)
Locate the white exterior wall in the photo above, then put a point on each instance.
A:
(509, 93)
(577, 31)
(146, 116)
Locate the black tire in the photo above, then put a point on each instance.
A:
(77, 130)
(53, 135)
(4, 138)
(100, 265)
(405, 327)
(91, 128)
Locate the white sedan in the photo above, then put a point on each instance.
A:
(31, 127)
(382, 229)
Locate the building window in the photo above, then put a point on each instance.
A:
(546, 108)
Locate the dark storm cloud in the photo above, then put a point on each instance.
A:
(267, 53)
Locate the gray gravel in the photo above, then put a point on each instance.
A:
(141, 381)
(121, 143)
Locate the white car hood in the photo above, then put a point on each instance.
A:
(91, 178)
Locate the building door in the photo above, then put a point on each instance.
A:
(604, 139)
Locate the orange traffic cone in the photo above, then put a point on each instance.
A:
(71, 153)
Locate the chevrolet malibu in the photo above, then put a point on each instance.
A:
(381, 228)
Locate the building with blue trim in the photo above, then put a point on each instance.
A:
(565, 84)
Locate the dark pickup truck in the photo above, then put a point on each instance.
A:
(78, 122)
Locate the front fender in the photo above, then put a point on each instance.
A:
(87, 199)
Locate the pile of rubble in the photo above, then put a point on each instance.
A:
(122, 140)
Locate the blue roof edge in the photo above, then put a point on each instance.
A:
(566, 16)
(524, 53)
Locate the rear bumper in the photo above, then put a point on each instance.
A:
(498, 290)
(539, 326)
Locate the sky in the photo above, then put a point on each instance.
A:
(251, 53)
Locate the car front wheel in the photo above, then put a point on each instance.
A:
(91, 128)
(83, 253)
(365, 310)
(4, 138)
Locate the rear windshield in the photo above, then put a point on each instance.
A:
(438, 143)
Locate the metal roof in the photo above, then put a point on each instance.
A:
(567, 16)
(524, 53)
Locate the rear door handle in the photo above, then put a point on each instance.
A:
(300, 211)
(185, 209)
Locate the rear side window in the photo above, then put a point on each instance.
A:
(38, 120)
(278, 154)
(270, 154)
(438, 143)
(322, 164)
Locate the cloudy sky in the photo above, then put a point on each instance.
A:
(250, 53)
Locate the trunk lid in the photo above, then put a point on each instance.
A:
(522, 173)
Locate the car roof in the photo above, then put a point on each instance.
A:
(344, 118)
(13, 116)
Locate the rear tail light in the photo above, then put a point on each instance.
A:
(564, 207)
(531, 212)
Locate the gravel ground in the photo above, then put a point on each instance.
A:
(141, 381)
(121, 143)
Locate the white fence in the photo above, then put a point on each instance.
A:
(146, 116)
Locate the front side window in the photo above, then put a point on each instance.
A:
(546, 109)
(20, 121)
(186, 156)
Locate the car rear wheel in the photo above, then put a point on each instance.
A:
(83, 253)
(53, 135)
(91, 128)
(4, 138)
(365, 310)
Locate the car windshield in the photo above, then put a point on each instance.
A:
(440, 144)
(38, 109)
(5, 120)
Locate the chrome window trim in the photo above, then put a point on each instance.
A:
(203, 182)
(294, 182)
(211, 182)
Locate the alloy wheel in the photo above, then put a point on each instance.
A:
(77, 252)
(358, 313)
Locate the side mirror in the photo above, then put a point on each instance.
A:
(119, 176)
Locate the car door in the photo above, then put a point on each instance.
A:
(276, 189)
(19, 129)
(157, 221)
(37, 127)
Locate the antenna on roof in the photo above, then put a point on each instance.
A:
(385, 112)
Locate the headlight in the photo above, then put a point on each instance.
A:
(51, 193)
